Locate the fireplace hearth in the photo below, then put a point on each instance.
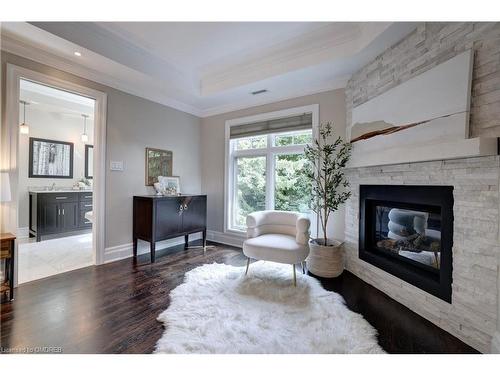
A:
(408, 231)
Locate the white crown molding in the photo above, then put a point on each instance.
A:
(337, 84)
(329, 43)
(95, 38)
(31, 52)
(318, 48)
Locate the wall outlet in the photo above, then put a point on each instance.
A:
(116, 165)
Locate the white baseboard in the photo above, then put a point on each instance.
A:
(114, 253)
(23, 232)
(225, 238)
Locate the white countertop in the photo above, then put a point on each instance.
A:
(60, 191)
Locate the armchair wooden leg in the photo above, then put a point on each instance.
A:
(294, 276)
(248, 264)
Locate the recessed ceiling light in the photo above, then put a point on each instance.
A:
(77, 53)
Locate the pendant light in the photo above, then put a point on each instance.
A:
(24, 128)
(85, 137)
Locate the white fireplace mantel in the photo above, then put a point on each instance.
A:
(456, 149)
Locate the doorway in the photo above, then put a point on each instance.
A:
(54, 181)
(57, 173)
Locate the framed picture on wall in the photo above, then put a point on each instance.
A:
(50, 158)
(89, 161)
(158, 163)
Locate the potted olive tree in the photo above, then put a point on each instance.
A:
(327, 159)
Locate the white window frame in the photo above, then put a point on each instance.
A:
(269, 152)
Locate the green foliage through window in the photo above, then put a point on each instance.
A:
(292, 187)
(293, 139)
(250, 187)
(259, 141)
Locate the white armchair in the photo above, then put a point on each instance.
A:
(277, 236)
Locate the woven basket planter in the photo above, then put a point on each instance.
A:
(326, 261)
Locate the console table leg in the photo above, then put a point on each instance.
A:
(203, 244)
(152, 251)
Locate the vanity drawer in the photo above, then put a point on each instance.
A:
(86, 196)
(83, 222)
(86, 205)
(60, 197)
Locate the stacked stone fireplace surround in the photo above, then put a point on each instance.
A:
(472, 315)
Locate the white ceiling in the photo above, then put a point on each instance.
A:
(206, 68)
(49, 99)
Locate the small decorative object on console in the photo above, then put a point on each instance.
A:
(167, 186)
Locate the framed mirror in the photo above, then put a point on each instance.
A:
(89, 161)
(50, 159)
(158, 163)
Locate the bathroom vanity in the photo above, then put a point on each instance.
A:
(58, 212)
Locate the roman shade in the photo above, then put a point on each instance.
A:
(279, 125)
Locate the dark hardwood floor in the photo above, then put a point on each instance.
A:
(113, 308)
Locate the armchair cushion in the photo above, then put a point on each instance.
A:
(280, 248)
(282, 222)
(302, 228)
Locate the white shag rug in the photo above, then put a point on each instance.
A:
(220, 310)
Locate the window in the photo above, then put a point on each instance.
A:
(250, 187)
(292, 191)
(298, 138)
(267, 172)
(251, 143)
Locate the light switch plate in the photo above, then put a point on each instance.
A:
(116, 165)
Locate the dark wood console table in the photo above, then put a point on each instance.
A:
(158, 218)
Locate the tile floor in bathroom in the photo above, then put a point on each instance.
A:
(50, 257)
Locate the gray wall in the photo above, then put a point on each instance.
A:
(133, 123)
(331, 108)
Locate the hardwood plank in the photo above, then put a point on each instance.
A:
(113, 308)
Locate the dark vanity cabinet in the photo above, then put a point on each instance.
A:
(158, 218)
(57, 213)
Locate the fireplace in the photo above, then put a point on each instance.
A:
(408, 232)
